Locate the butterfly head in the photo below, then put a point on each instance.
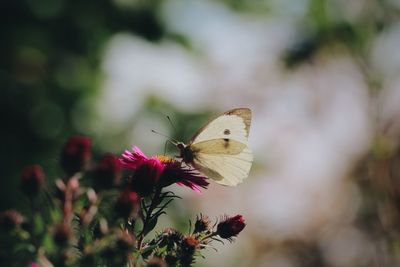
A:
(181, 146)
(185, 152)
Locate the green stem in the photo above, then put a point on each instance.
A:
(153, 205)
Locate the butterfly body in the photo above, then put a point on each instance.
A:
(186, 153)
(220, 149)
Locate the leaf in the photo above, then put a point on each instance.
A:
(23, 235)
(160, 209)
(48, 244)
(170, 194)
(38, 225)
(150, 226)
(55, 215)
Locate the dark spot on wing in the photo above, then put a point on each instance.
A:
(226, 143)
(227, 132)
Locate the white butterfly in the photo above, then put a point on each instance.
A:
(220, 149)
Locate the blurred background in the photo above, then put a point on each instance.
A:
(321, 77)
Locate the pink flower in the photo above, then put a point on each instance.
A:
(160, 171)
(147, 177)
(175, 172)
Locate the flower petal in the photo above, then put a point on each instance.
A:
(132, 160)
(173, 171)
(176, 173)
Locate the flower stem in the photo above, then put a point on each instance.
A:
(146, 220)
(67, 205)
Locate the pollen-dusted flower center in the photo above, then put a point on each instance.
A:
(164, 159)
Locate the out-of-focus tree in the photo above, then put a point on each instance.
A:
(49, 73)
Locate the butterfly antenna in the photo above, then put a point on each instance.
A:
(171, 140)
(170, 121)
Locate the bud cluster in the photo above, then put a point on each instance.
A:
(180, 250)
(93, 216)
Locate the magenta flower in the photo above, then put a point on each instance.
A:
(175, 172)
(161, 170)
(147, 177)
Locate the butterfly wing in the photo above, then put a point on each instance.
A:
(220, 149)
(225, 169)
(233, 124)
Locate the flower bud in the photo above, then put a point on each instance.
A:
(146, 177)
(73, 185)
(187, 250)
(91, 196)
(60, 190)
(66, 193)
(32, 180)
(76, 154)
(107, 172)
(10, 219)
(231, 226)
(173, 234)
(202, 224)
(128, 204)
(89, 210)
(170, 237)
(190, 243)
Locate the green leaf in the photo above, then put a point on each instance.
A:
(150, 226)
(55, 215)
(38, 225)
(23, 235)
(48, 244)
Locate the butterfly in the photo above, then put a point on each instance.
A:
(220, 149)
